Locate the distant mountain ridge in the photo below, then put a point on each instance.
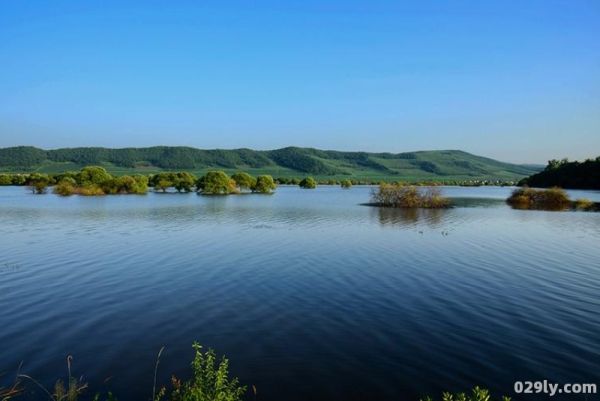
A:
(436, 164)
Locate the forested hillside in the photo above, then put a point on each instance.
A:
(290, 161)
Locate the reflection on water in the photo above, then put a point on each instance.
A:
(409, 217)
(311, 295)
(477, 202)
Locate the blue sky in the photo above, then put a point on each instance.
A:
(514, 80)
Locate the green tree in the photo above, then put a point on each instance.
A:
(163, 181)
(308, 183)
(93, 175)
(163, 185)
(184, 181)
(5, 179)
(216, 183)
(346, 184)
(244, 181)
(126, 184)
(38, 183)
(67, 174)
(264, 184)
(67, 186)
(141, 184)
(19, 179)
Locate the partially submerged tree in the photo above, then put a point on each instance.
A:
(5, 179)
(216, 183)
(244, 181)
(38, 183)
(308, 183)
(264, 184)
(93, 175)
(67, 186)
(184, 181)
(162, 181)
(137, 184)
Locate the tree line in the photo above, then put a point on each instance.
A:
(186, 182)
(96, 180)
(567, 174)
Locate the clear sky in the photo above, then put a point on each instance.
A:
(514, 80)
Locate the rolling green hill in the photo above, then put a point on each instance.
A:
(439, 165)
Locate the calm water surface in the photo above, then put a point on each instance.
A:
(310, 294)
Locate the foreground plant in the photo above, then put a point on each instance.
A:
(10, 393)
(210, 381)
(69, 392)
(477, 394)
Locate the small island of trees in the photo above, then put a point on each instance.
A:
(219, 183)
(91, 180)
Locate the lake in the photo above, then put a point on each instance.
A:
(311, 295)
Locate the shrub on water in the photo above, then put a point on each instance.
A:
(244, 181)
(5, 179)
(308, 183)
(38, 183)
(90, 190)
(19, 179)
(584, 204)
(409, 196)
(184, 181)
(433, 199)
(346, 184)
(93, 175)
(216, 183)
(264, 184)
(541, 199)
(67, 186)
